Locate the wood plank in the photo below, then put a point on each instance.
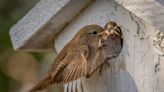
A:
(137, 69)
(36, 30)
(152, 13)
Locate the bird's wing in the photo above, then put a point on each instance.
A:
(73, 66)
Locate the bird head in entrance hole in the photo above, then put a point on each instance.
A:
(111, 42)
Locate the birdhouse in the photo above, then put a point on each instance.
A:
(51, 24)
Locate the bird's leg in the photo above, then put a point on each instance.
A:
(100, 66)
(89, 74)
(105, 62)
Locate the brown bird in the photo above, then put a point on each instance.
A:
(74, 61)
(111, 42)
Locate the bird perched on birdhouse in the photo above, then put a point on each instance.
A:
(76, 58)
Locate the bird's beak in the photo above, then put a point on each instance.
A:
(105, 34)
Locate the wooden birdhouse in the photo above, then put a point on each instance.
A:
(51, 24)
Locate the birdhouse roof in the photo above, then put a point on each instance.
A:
(37, 29)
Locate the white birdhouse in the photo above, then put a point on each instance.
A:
(51, 24)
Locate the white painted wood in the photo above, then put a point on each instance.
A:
(138, 68)
(152, 12)
(37, 28)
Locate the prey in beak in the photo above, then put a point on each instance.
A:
(111, 29)
(105, 34)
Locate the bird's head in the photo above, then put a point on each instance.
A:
(89, 35)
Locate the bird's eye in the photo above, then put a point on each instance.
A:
(94, 32)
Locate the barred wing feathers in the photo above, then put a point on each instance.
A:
(71, 67)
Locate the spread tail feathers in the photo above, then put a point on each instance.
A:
(43, 84)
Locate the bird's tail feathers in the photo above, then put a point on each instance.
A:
(43, 84)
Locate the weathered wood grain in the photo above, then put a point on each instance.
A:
(36, 30)
(152, 12)
(139, 66)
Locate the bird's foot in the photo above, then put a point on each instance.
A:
(101, 68)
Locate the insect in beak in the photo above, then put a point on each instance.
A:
(104, 35)
(115, 31)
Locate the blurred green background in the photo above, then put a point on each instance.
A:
(19, 71)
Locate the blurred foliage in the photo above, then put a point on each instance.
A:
(10, 12)
(18, 70)
(3, 82)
